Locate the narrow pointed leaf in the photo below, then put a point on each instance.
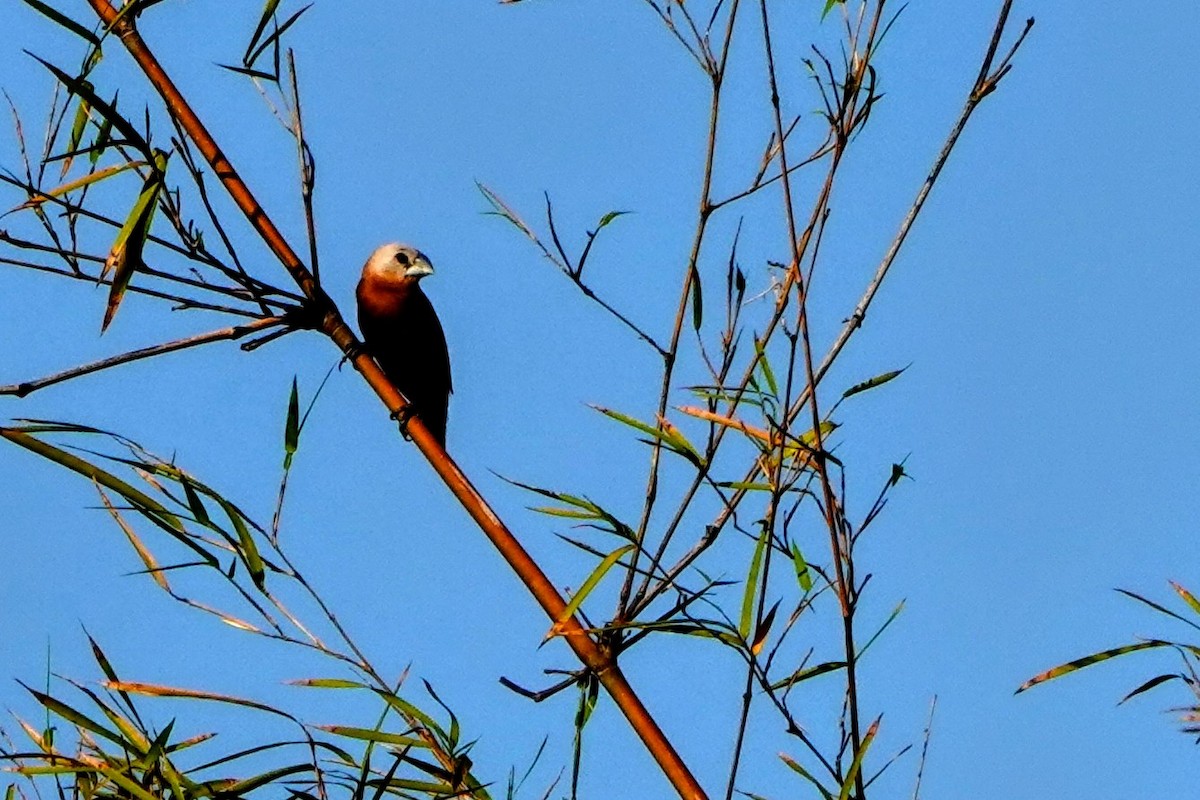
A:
(248, 549)
(871, 383)
(803, 576)
(291, 432)
(371, 735)
(764, 628)
(802, 772)
(589, 584)
(856, 764)
(63, 20)
(268, 12)
(750, 593)
(764, 366)
(1087, 661)
(79, 183)
(697, 300)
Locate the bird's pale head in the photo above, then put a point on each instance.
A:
(396, 263)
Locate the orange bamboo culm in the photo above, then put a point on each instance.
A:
(594, 657)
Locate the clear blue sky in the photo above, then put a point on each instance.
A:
(1045, 302)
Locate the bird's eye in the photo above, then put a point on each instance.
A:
(402, 257)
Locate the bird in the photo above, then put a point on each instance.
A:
(402, 332)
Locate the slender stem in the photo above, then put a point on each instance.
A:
(717, 73)
(224, 334)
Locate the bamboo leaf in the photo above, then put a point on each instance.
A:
(668, 434)
(803, 576)
(125, 257)
(804, 673)
(802, 772)
(195, 504)
(764, 366)
(891, 618)
(291, 431)
(275, 34)
(697, 300)
(268, 12)
(609, 217)
(248, 549)
(240, 788)
(145, 504)
(1089, 660)
(159, 690)
(408, 710)
(77, 718)
(751, 590)
(64, 21)
(1150, 684)
(856, 764)
(78, 126)
(79, 183)
(764, 628)
(370, 735)
(586, 588)
(143, 552)
(502, 210)
(871, 383)
(329, 683)
(1187, 596)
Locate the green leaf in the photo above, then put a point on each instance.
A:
(82, 115)
(125, 257)
(1089, 660)
(78, 183)
(195, 504)
(669, 435)
(76, 718)
(102, 136)
(871, 383)
(64, 21)
(274, 37)
(609, 217)
(371, 735)
(802, 772)
(1187, 596)
(589, 584)
(803, 576)
(268, 12)
(697, 300)
(291, 431)
(829, 4)
(891, 618)
(249, 550)
(804, 673)
(751, 590)
(243, 787)
(411, 712)
(144, 504)
(764, 366)
(329, 683)
(856, 764)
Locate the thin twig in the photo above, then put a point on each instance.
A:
(223, 334)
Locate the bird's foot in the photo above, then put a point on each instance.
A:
(402, 417)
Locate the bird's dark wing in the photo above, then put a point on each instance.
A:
(410, 347)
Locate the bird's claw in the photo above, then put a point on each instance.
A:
(402, 417)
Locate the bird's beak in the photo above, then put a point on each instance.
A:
(419, 268)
